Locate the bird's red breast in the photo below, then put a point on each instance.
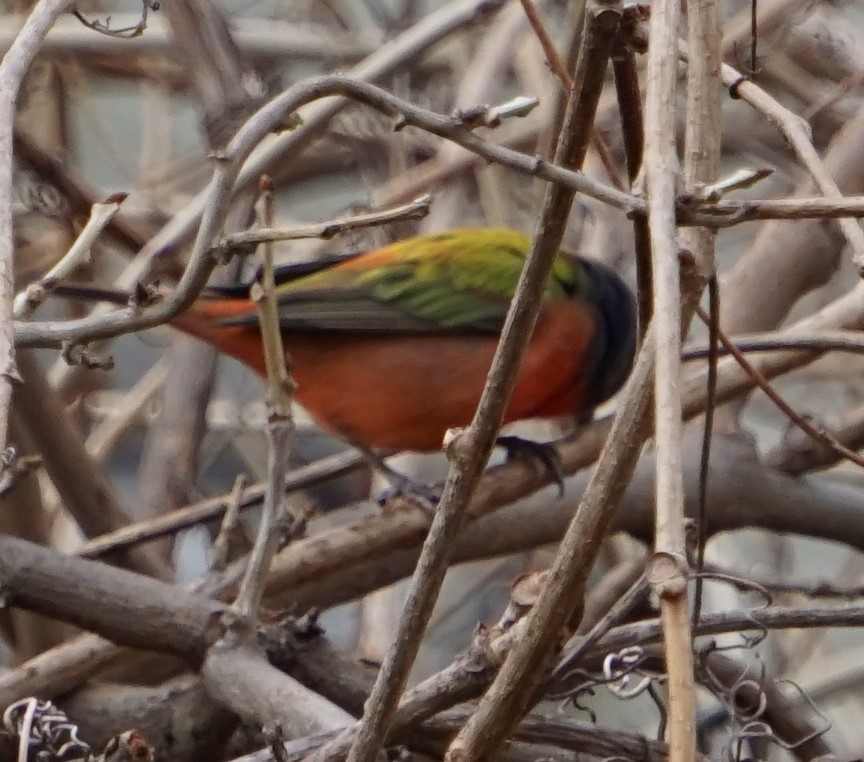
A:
(403, 392)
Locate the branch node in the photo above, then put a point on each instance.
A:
(667, 574)
(459, 444)
(735, 85)
(13, 467)
(78, 355)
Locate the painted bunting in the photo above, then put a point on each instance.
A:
(390, 348)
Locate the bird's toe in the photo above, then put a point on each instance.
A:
(544, 452)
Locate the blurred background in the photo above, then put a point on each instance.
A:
(172, 424)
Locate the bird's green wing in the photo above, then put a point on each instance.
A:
(460, 281)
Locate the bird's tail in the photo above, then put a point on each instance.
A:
(92, 293)
(203, 320)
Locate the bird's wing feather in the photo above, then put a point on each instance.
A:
(455, 282)
(451, 283)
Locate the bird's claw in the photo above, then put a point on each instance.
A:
(425, 496)
(544, 452)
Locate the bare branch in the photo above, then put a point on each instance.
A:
(78, 254)
(13, 67)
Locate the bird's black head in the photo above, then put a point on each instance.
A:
(614, 347)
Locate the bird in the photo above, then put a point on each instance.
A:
(390, 348)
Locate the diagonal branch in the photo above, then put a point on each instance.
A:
(469, 449)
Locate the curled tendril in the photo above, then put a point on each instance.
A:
(618, 669)
(44, 730)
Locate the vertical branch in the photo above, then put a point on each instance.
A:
(702, 140)
(280, 425)
(633, 130)
(169, 462)
(13, 67)
(83, 487)
(668, 567)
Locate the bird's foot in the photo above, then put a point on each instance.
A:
(425, 496)
(544, 452)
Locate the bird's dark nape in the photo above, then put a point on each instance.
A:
(615, 343)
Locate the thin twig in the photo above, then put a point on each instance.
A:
(126, 32)
(817, 432)
(667, 568)
(280, 425)
(222, 545)
(572, 654)
(415, 210)
(707, 435)
(556, 65)
(633, 133)
(773, 341)
(79, 253)
(811, 615)
(13, 67)
(208, 510)
(727, 213)
(559, 69)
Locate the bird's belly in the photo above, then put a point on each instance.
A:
(403, 393)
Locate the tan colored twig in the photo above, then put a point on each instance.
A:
(727, 212)
(213, 508)
(415, 210)
(774, 341)
(798, 135)
(280, 425)
(556, 65)
(667, 569)
(79, 253)
(13, 67)
(222, 545)
(816, 432)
